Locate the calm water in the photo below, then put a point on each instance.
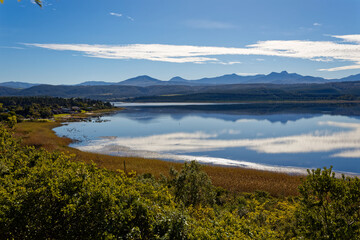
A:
(270, 137)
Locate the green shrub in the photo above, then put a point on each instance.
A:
(192, 186)
(47, 196)
(329, 206)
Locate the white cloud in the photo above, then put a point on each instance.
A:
(116, 14)
(324, 51)
(350, 67)
(317, 24)
(349, 38)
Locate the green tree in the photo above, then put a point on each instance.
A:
(329, 206)
(192, 185)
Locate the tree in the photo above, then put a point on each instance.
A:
(329, 206)
(192, 186)
(38, 2)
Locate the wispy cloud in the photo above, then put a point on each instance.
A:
(116, 14)
(229, 63)
(323, 51)
(208, 24)
(121, 15)
(11, 47)
(130, 18)
(317, 24)
(246, 74)
(349, 38)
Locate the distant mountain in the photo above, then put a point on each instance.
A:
(178, 79)
(274, 78)
(19, 85)
(227, 79)
(351, 78)
(349, 90)
(287, 78)
(6, 91)
(142, 81)
(96, 83)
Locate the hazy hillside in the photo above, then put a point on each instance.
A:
(229, 92)
(19, 85)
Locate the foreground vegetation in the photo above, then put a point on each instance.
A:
(47, 195)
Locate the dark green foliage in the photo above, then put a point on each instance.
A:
(46, 196)
(45, 107)
(329, 206)
(192, 186)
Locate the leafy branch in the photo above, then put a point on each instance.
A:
(38, 2)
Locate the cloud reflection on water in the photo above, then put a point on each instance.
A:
(346, 142)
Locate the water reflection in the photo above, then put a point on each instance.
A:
(347, 142)
(232, 112)
(281, 141)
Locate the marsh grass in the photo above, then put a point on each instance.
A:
(40, 134)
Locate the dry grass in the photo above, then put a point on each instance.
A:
(40, 134)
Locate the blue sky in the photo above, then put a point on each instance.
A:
(69, 42)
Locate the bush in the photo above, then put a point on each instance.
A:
(192, 186)
(329, 206)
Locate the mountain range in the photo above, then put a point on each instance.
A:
(145, 81)
(275, 78)
(228, 88)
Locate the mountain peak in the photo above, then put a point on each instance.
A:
(177, 79)
(143, 76)
(278, 73)
(142, 81)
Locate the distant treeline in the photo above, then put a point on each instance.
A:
(45, 107)
(251, 95)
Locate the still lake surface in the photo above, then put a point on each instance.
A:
(288, 138)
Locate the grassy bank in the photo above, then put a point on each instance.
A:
(40, 134)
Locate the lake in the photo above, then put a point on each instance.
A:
(277, 137)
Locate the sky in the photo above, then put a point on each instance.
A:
(69, 42)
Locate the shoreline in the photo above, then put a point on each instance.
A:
(233, 179)
(250, 102)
